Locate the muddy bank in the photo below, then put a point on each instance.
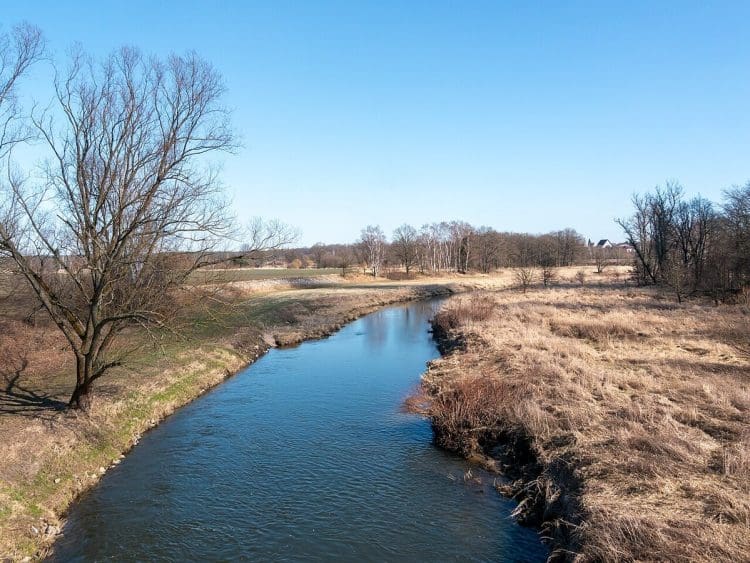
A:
(546, 493)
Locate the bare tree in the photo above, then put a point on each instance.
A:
(651, 231)
(524, 277)
(345, 258)
(405, 246)
(601, 258)
(488, 245)
(127, 207)
(372, 244)
(461, 238)
(548, 275)
(676, 276)
(736, 210)
(318, 252)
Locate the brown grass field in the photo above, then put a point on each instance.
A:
(621, 417)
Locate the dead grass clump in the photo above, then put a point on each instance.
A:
(400, 276)
(291, 313)
(725, 508)
(657, 445)
(648, 536)
(471, 408)
(735, 458)
(477, 307)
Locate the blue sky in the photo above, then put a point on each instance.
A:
(524, 116)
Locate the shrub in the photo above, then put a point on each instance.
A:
(476, 308)
(467, 410)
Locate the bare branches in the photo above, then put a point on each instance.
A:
(688, 245)
(405, 245)
(524, 277)
(136, 206)
(19, 49)
(262, 235)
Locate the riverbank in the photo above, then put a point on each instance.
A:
(51, 455)
(305, 456)
(622, 418)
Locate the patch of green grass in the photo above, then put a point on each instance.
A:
(179, 389)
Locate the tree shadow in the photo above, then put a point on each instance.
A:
(18, 398)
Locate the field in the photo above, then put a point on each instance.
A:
(254, 274)
(622, 417)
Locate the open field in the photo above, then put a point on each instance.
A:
(51, 455)
(251, 274)
(622, 417)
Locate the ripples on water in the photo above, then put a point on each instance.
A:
(305, 455)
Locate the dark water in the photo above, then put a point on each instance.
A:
(303, 456)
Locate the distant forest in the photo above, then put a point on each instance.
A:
(450, 246)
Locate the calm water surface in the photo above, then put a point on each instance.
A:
(303, 456)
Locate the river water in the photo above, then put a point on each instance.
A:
(303, 456)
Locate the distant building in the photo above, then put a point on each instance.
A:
(626, 247)
(604, 243)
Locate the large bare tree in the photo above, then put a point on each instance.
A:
(127, 206)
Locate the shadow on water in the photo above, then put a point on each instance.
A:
(305, 456)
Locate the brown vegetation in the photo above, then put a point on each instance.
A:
(622, 419)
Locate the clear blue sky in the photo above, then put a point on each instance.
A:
(523, 116)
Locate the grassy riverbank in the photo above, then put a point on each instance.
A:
(622, 417)
(51, 455)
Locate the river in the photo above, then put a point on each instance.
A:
(304, 456)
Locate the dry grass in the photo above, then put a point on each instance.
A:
(625, 417)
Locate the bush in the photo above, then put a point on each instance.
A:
(465, 412)
(475, 308)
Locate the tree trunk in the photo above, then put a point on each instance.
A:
(80, 399)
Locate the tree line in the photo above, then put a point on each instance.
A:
(448, 246)
(691, 245)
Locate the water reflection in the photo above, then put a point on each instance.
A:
(375, 329)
